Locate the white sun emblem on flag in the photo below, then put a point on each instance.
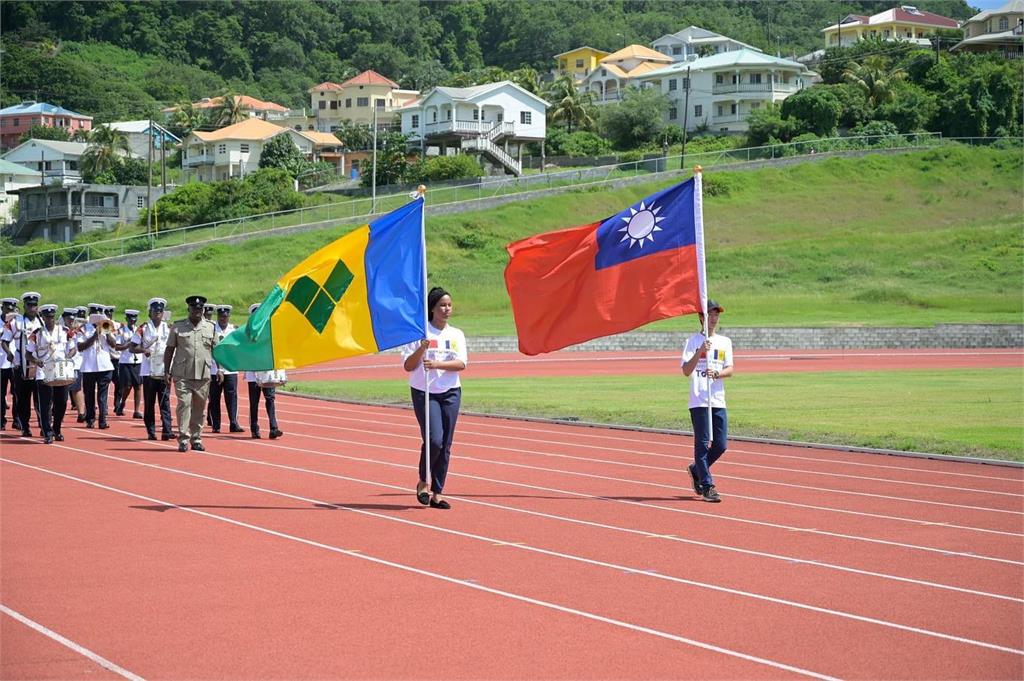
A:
(642, 224)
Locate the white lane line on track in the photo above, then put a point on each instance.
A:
(565, 556)
(729, 464)
(756, 481)
(67, 643)
(359, 555)
(311, 405)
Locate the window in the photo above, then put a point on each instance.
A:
(719, 79)
(245, 148)
(501, 116)
(348, 103)
(334, 104)
(686, 83)
(561, 64)
(140, 202)
(698, 110)
(298, 127)
(322, 104)
(719, 109)
(222, 148)
(735, 79)
(526, 117)
(448, 114)
(435, 117)
(755, 105)
(379, 103)
(1004, 24)
(672, 113)
(15, 123)
(604, 72)
(677, 49)
(476, 114)
(362, 101)
(579, 63)
(732, 109)
(415, 120)
(673, 85)
(755, 78)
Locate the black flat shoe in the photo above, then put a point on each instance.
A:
(275, 433)
(138, 415)
(256, 436)
(151, 436)
(48, 440)
(167, 436)
(237, 429)
(215, 430)
(80, 419)
(104, 425)
(182, 447)
(58, 437)
(26, 433)
(423, 497)
(440, 504)
(198, 447)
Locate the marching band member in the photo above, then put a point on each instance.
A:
(226, 382)
(69, 320)
(187, 360)
(129, 378)
(95, 343)
(269, 394)
(49, 344)
(115, 357)
(208, 310)
(150, 340)
(7, 306)
(16, 333)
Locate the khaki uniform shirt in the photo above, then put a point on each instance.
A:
(193, 349)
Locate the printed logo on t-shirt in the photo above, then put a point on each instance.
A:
(448, 345)
(718, 356)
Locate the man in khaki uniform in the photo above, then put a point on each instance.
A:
(188, 359)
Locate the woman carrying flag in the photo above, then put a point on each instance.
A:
(434, 364)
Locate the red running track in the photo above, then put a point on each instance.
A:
(570, 552)
(572, 363)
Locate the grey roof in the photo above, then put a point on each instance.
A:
(8, 168)
(742, 57)
(69, 148)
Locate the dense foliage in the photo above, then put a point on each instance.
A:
(264, 191)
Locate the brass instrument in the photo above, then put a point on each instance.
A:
(107, 326)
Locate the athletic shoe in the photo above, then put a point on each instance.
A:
(693, 479)
(711, 494)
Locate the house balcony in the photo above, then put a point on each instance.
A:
(61, 211)
(470, 128)
(200, 160)
(752, 88)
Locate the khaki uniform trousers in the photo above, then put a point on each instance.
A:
(191, 410)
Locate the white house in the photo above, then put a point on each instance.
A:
(726, 87)
(995, 30)
(58, 161)
(494, 120)
(138, 134)
(693, 42)
(12, 178)
(621, 70)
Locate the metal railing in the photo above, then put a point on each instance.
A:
(730, 88)
(360, 209)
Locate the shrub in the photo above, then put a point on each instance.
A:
(583, 143)
(873, 128)
(815, 109)
(458, 167)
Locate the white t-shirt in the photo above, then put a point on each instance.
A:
(153, 338)
(445, 345)
(21, 327)
(45, 346)
(96, 357)
(720, 357)
(124, 334)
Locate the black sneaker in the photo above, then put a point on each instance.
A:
(693, 479)
(711, 494)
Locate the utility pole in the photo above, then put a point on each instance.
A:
(839, 32)
(149, 186)
(686, 120)
(163, 161)
(373, 190)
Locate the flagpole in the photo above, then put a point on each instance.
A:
(422, 192)
(698, 219)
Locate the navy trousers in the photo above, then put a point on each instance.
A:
(269, 395)
(703, 457)
(53, 402)
(96, 384)
(444, 412)
(156, 393)
(229, 389)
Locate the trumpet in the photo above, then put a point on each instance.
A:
(107, 326)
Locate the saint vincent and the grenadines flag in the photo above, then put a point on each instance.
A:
(359, 294)
(643, 264)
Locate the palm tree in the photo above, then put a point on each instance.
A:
(874, 79)
(230, 111)
(570, 105)
(526, 78)
(188, 118)
(106, 146)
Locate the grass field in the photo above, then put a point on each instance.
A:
(976, 413)
(911, 239)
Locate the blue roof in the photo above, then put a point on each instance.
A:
(39, 108)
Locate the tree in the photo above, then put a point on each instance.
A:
(281, 152)
(392, 162)
(814, 110)
(569, 105)
(911, 109)
(766, 124)
(637, 119)
(106, 146)
(355, 136)
(875, 79)
(188, 118)
(45, 132)
(230, 111)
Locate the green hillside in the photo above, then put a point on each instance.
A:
(908, 239)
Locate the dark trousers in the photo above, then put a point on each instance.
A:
(229, 388)
(703, 457)
(95, 384)
(24, 393)
(444, 412)
(269, 393)
(53, 403)
(153, 392)
(127, 378)
(7, 386)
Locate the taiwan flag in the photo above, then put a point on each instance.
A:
(643, 264)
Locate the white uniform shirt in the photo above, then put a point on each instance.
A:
(221, 335)
(150, 336)
(124, 334)
(445, 345)
(45, 346)
(96, 357)
(115, 354)
(720, 357)
(16, 333)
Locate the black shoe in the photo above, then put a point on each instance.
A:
(16, 424)
(80, 419)
(104, 425)
(275, 433)
(423, 497)
(89, 424)
(151, 436)
(26, 433)
(711, 494)
(440, 504)
(166, 436)
(237, 429)
(119, 412)
(694, 480)
(137, 415)
(47, 439)
(256, 436)
(215, 430)
(182, 447)
(58, 437)
(198, 447)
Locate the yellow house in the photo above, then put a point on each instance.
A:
(354, 101)
(900, 23)
(578, 63)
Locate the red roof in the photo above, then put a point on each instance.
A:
(326, 85)
(922, 17)
(370, 78)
